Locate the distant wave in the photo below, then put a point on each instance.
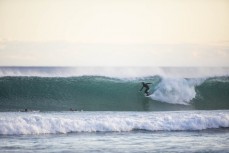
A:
(65, 122)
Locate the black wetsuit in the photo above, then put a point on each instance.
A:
(145, 85)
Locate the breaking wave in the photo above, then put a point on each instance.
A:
(98, 93)
(59, 89)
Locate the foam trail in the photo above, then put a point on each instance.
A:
(65, 122)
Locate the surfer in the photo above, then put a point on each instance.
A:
(72, 109)
(145, 85)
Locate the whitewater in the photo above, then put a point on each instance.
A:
(68, 122)
(88, 109)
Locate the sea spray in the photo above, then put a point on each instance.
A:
(176, 91)
(116, 72)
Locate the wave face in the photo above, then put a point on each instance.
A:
(20, 90)
(14, 123)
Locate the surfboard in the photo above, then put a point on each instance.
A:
(147, 95)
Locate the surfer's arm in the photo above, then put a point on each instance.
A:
(148, 83)
(141, 88)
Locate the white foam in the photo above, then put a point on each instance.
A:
(41, 123)
(176, 91)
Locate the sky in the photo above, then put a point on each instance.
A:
(114, 33)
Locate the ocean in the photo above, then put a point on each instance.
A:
(100, 109)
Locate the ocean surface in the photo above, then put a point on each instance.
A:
(98, 109)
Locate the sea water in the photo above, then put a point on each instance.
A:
(121, 142)
(59, 109)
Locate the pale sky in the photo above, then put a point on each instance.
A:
(114, 32)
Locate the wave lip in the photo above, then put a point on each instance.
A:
(65, 122)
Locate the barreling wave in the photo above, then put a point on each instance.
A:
(65, 122)
(99, 93)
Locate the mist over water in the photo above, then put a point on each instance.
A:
(116, 72)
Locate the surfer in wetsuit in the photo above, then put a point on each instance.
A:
(145, 85)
